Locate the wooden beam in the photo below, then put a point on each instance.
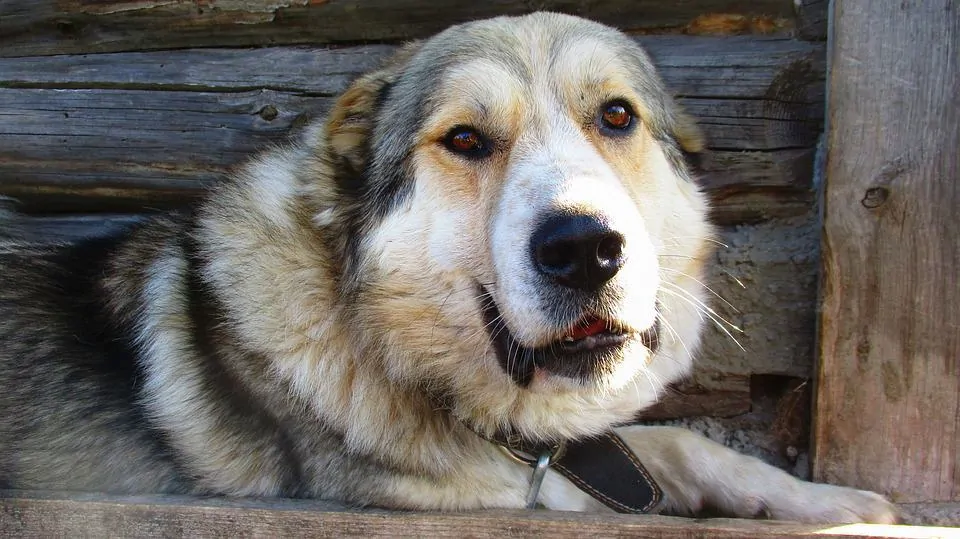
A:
(38, 231)
(37, 514)
(44, 27)
(889, 379)
(747, 67)
(128, 131)
(690, 399)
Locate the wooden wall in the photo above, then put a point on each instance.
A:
(112, 108)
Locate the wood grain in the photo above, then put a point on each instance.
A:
(36, 514)
(741, 66)
(127, 131)
(39, 231)
(43, 27)
(689, 399)
(888, 413)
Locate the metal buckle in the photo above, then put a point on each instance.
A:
(540, 464)
(555, 452)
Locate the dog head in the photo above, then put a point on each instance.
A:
(520, 235)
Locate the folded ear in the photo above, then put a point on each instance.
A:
(688, 133)
(350, 122)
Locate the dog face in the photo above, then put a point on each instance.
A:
(528, 242)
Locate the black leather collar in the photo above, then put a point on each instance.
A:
(602, 466)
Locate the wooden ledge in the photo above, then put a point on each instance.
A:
(49, 514)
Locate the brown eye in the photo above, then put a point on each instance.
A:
(616, 116)
(467, 141)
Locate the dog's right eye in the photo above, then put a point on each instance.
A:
(468, 142)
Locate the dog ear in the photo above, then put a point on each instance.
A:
(688, 133)
(351, 121)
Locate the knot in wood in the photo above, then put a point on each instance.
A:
(268, 113)
(875, 197)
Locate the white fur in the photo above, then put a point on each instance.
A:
(172, 391)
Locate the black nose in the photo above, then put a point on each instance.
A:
(577, 251)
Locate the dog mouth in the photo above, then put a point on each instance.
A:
(585, 350)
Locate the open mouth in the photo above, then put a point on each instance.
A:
(589, 347)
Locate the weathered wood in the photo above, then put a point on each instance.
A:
(117, 132)
(812, 18)
(889, 380)
(43, 27)
(44, 230)
(312, 70)
(730, 67)
(172, 129)
(690, 399)
(35, 514)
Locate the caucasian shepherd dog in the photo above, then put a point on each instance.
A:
(492, 241)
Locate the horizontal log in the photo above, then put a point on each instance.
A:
(120, 132)
(750, 67)
(38, 231)
(690, 399)
(44, 27)
(41, 514)
(163, 128)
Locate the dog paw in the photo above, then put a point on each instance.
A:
(829, 504)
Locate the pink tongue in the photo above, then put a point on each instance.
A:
(588, 328)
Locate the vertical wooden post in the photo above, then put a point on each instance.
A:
(888, 394)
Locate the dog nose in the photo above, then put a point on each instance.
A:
(577, 251)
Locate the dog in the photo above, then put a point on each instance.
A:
(495, 238)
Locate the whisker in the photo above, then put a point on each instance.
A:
(704, 285)
(702, 238)
(716, 319)
(676, 335)
(655, 384)
(513, 358)
(730, 274)
(699, 302)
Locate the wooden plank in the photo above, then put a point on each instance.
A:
(690, 399)
(43, 27)
(888, 414)
(102, 151)
(168, 128)
(66, 228)
(741, 66)
(117, 132)
(314, 70)
(128, 149)
(36, 514)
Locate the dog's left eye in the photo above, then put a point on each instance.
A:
(616, 117)
(467, 142)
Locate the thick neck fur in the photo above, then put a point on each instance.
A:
(271, 275)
